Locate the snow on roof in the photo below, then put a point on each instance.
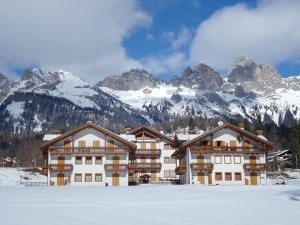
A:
(49, 137)
(128, 137)
(187, 137)
(262, 137)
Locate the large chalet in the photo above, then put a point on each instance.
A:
(226, 154)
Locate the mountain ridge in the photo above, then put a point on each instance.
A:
(252, 90)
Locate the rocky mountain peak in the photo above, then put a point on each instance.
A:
(35, 75)
(134, 79)
(201, 77)
(246, 69)
(5, 82)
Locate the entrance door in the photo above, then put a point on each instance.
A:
(252, 159)
(143, 159)
(143, 146)
(110, 144)
(209, 177)
(61, 160)
(246, 144)
(153, 175)
(115, 179)
(200, 159)
(116, 160)
(153, 146)
(60, 179)
(67, 144)
(233, 145)
(253, 178)
(201, 177)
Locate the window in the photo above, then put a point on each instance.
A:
(173, 160)
(167, 146)
(173, 173)
(218, 176)
(237, 176)
(88, 177)
(237, 159)
(218, 159)
(78, 177)
(227, 159)
(88, 160)
(78, 160)
(167, 173)
(98, 160)
(98, 177)
(169, 160)
(228, 176)
(219, 143)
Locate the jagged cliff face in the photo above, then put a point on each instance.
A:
(134, 79)
(200, 77)
(43, 99)
(251, 90)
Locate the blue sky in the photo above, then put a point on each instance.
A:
(102, 38)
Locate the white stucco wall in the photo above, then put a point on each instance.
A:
(89, 135)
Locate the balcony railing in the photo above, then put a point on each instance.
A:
(88, 150)
(145, 166)
(257, 166)
(202, 166)
(60, 167)
(226, 149)
(181, 169)
(116, 167)
(147, 152)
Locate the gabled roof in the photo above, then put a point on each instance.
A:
(91, 125)
(231, 127)
(151, 131)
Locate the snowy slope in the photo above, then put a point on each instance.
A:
(12, 176)
(151, 205)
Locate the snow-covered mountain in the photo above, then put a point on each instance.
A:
(44, 100)
(251, 90)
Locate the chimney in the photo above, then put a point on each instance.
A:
(161, 130)
(259, 132)
(192, 131)
(54, 131)
(241, 125)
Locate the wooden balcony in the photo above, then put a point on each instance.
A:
(116, 167)
(181, 169)
(147, 152)
(44, 170)
(60, 167)
(88, 150)
(138, 166)
(257, 166)
(226, 150)
(202, 166)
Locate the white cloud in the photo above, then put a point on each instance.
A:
(79, 36)
(270, 32)
(182, 39)
(162, 64)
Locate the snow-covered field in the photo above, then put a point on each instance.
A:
(143, 205)
(13, 177)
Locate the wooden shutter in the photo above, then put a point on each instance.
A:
(96, 144)
(81, 144)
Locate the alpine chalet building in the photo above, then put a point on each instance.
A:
(87, 156)
(152, 161)
(223, 155)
